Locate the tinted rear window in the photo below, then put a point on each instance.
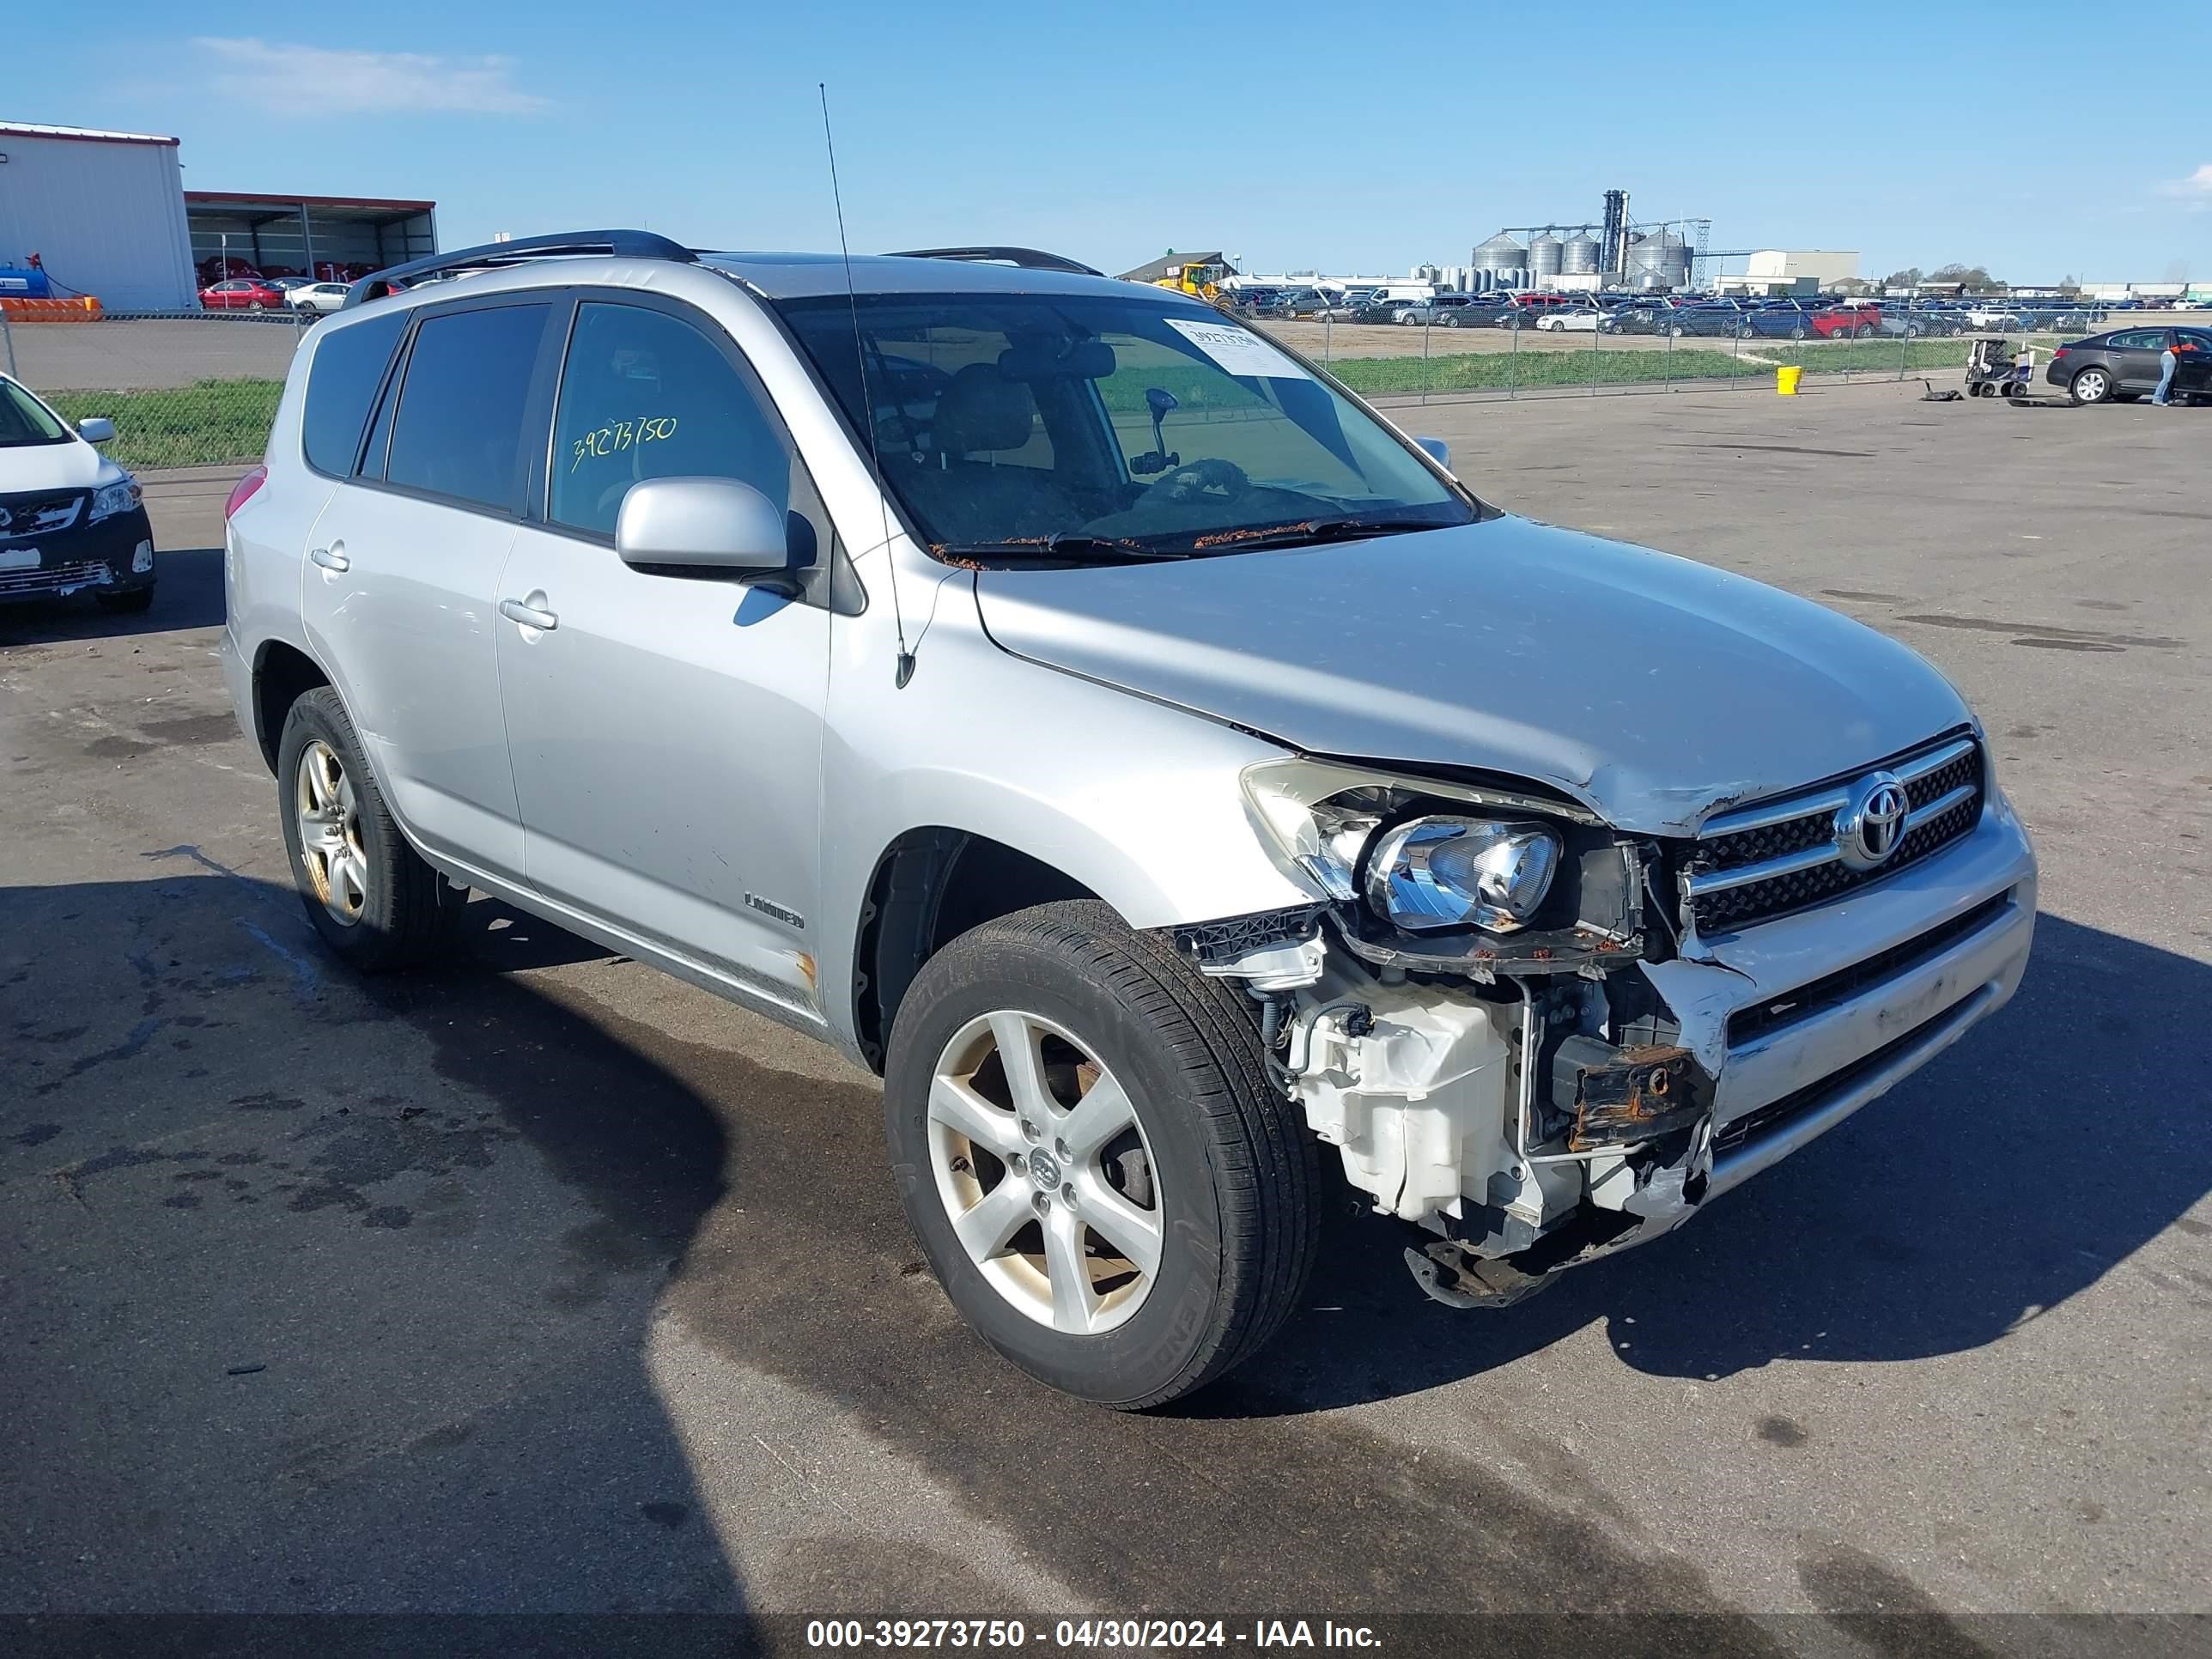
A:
(459, 428)
(348, 368)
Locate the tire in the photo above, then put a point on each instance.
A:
(405, 911)
(1676, 331)
(1864, 331)
(1798, 332)
(256, 306)
(130, 602)
(2090, 385)
(1229, 1172)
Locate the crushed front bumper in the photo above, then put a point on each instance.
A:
(1769, 1037)
(97, 557)
(1803, 1020)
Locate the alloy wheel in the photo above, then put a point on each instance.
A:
(1045, 1172)
(330, 832)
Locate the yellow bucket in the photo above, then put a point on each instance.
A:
(1785, 381)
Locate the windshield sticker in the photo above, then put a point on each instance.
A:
(618, 435)
(1238, 350)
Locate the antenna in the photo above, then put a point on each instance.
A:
(904, 671)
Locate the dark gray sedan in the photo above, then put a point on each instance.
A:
(2123, 365)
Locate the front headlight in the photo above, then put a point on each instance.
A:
(1456, 872)
(109, 500)
(1325, 824)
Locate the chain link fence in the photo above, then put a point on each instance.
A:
(184, 388)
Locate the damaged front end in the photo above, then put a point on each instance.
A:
(1468, 1021)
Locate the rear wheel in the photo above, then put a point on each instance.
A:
(365, 890)
(1102, 1176)
(2091, 385)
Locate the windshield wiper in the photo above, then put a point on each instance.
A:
(1307, 532)
(1060, 546)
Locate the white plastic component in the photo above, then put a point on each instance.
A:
(1611, 1182)
(1278, 967)
(1418, 1106)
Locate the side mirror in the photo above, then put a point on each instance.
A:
(1437, 450)
(702, 524)
(96, 429)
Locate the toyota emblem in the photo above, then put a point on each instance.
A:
(1872, 822)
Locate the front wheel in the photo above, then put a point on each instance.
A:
(2090, 386)
(1098, 1170)
(368, 893)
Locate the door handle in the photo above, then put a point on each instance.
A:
(331, 558)
(528, 616)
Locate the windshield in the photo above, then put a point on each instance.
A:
(1081, 427)
(25, 419)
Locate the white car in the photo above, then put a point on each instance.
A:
(71, 521)
(317, 296)
(1577, 321)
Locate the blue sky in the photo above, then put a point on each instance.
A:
(1290, 136)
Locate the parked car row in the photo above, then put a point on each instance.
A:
(1680, 316)
(214, 270)
(261, 294)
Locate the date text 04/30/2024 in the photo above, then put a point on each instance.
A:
(994, 1635)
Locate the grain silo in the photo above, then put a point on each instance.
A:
(1500, 252)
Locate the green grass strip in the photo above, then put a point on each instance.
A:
(207, 424)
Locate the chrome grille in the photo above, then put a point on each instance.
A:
(1768, 860)
(52, 578)
(39, 515)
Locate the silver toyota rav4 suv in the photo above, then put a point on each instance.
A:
(1188, 796)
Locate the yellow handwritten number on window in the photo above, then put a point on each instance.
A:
(618, 435)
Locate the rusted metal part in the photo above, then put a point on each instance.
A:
(1637, 1095)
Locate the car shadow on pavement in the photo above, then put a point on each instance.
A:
(336, 1295)
(2020, 1167)
(462, 1291)
(187, 593)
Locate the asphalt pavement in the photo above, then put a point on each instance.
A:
(543, 1283)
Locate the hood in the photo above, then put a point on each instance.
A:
(1652, 689)
(73, 466)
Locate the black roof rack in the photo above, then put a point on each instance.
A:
(1028, 258)
(622, 244)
